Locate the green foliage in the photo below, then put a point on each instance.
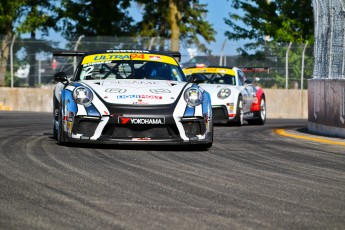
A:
(26, 16)
(280, 20)
(16, 81)
(191, 21)
(95, 18)
(9, 14)
(277, 52)
(270, 25)
(36, 15)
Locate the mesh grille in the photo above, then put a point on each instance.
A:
(219, 113)
(141, 131)
(87, 128)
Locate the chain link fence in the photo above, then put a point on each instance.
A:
(329, 39)
(274, 66)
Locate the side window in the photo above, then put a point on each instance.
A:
(240, 78)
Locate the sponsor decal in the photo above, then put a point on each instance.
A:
(127, 82)
(115, 90)
(209, 70)
(118, 56)
(248, 115)
(155, 58)
(127, 51)
(160, 91)
(139, 96)
(69, 126)
(141, 139)
(140, 121)
(105, 57)
(124, 120)
(140, 103)
(96, 63)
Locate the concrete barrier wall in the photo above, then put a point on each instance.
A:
(326, 107)
(26, 99)
(280, 103)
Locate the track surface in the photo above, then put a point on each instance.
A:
(251, 178)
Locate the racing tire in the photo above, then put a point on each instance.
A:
(55, 118)
(55, 132)
(239, 118)
(60, 132)
(261, 115)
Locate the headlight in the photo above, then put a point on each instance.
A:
(83, 95)
(224, 93)
(193, 96)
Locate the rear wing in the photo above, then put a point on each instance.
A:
(176, 55)
(75, 53)
(69, 53)
(255, 69)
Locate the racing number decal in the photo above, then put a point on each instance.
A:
(88, 71)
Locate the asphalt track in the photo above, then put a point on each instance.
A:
(253, 177)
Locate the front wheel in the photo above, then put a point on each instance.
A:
(239, 112)
(261, 117)
(60, 131)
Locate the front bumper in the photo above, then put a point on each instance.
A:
(157, 125)
(221, 114)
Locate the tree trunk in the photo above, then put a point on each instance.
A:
(175, 17)
(4, 56)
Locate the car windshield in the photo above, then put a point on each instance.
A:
(219, 78)
(131, 69)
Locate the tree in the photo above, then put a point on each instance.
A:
(20, 16)
(37, 15)
(95, 18)
(9, 10)
(278, 20)
(270, 25)
(176, 20)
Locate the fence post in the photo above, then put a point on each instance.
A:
(75, 48)
(222, 53)
(302, 70)
(287, 66)
(11, 54)
(302, 76)
(151, 43)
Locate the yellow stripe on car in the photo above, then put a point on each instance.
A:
(209, 70)
(106, 57)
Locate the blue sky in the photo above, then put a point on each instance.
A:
(217, 11)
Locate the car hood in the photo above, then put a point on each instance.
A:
(145, 92)
(215, 88)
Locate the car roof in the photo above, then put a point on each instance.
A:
(175, 54)
(210, 69)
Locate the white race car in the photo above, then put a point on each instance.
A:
(130, 97)
(234, 98)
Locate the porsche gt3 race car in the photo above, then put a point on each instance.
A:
(130, 97)
(234, 98)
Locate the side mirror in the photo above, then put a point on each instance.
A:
(248, 82)
(197, 78)
(61, 77)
